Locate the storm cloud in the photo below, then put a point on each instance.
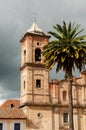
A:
(16, 16)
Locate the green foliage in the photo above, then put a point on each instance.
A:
(68, 49)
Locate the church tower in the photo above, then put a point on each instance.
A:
(34, 75)
(35, 93)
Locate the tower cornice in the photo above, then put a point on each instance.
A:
(32, 65)
(35, 35)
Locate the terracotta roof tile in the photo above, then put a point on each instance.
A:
(7, 103)
(10, 110)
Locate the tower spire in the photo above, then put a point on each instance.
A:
(35, 29)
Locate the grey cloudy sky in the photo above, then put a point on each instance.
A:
(16, 16)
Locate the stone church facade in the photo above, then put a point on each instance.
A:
(45, 104)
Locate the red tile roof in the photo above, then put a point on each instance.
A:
(10, 110)
(8, 102)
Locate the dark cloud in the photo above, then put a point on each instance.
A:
(16, 16)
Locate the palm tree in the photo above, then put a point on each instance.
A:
(67, 51)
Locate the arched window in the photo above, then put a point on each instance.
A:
(38, 83)
(64, 95)
(37, 54)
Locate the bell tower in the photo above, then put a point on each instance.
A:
(34, 75)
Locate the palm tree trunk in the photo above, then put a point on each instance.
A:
(71, 125)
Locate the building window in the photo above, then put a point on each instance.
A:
(38, 43)
(37, 55)
(64, 95)
(1, 126)
(24, 84)
(24, 52)
(24, 55)
(38, 83)
(11, 105)
(39, 115)
(65, 117)
(17, 126)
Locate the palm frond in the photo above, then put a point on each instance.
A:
(74, 30)
(78, 32)
(58, 28)
(56, 35)
(68, 50)
(65, 29)
(69, 27)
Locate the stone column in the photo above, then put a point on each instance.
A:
(75, 119)
(56, 119)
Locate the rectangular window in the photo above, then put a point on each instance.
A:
(1, 126)
(38, 83)
(17, 126)
(24, 84)
(64, 95)
(65, 117)
(24, 55)
(24, 52)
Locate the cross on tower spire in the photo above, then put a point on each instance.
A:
(35, 16)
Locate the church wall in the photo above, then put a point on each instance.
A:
(47, 103)
(39, 118)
